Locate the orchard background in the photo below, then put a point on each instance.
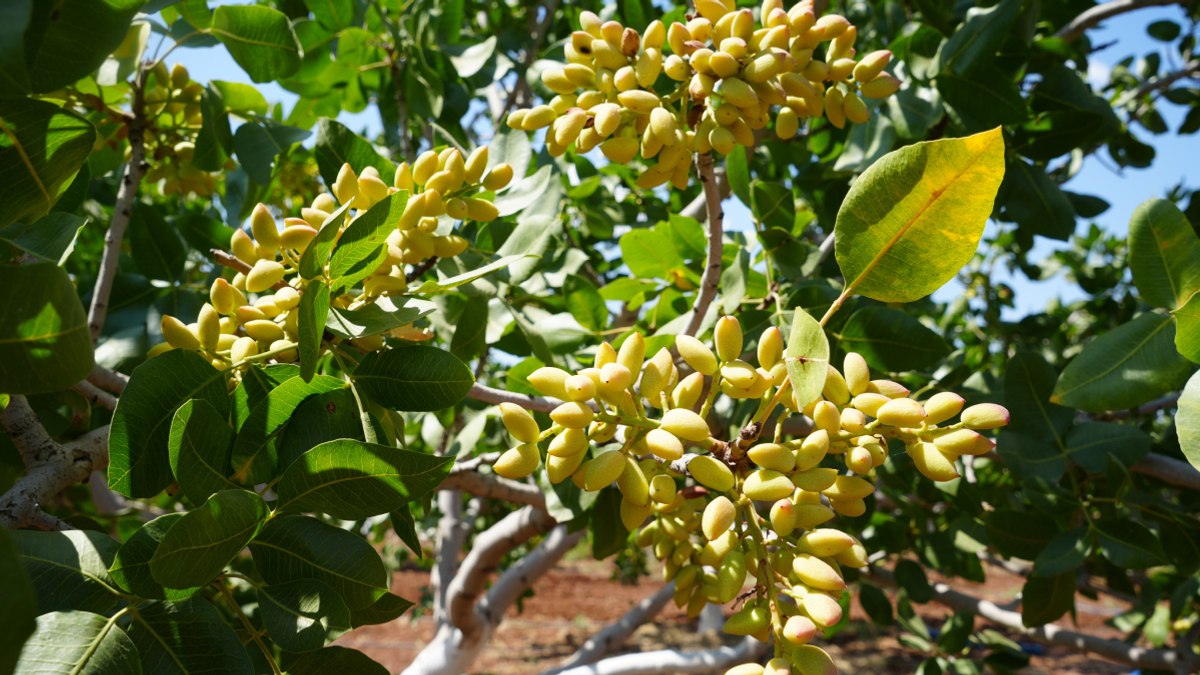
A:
(477, 287)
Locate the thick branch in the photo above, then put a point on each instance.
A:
(674, 660)
(494, 396)
(1094, 15)
(50, 467)
(95, 395)
(712, 266)
(420, 268)
(109, 380)
(615, 634)
(1169, 470)
(135, 121)
(518, 578)
(494, 487)
(1113, 650)
(488, 550)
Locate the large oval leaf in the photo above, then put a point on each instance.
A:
(1187, 421)
(79, 35)
(300, 547)
(259, 38)
(1187, 329)
(301, 615)
(1164, 254)
(80, 643)
(807, 358)
(199, 450)
(131, 567)
(69, 569)
(42, 147)
(198, 547)
(351, 479)
(1125, 367)
(363, 245)
(254, 452)
(187, 637)
(139, 459)
(314, 311)
(332, 660)
(414, 378)
(912, 220)
(891, 340)
(18, 620)
(45, 345)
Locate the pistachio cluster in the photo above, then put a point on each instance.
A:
(232, 328)
(722, 513)
(174, 119)
(729, 68)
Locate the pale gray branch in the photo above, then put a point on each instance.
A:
(494, 487)
(674, 660)
(109, 380)
(615, 634)
(518, 578)
(95, 395)
(716, 237)
(495, 396)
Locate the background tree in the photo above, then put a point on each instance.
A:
(126, 181)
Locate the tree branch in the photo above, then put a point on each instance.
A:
(95, 395)
(406, 152)
(492, 486)
(674, 660)
(235, 263)
(495, 396)
(539, 34)
(613, 635)
(1091, 17)
(1113, 650)
(420, 268)
(109, 380)
(518, 578)
(712, 265)
(50, 467)
(1169, 470)
(135, 121)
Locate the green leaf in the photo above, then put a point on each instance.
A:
(315, 257)
(300, 547)
(608, 531)
(14, 76)
(1187, 420)
(911, 577)
(187, 637)
(1128, 544)
(351, 479)
(585, 303)
(199, 447)
(1163, 30)
(197, 548)
(42, 147)
(1187, 329)
(1124, 367)
(1029, 455)
(79, 642)
(470, 330)
(977, 38)
(737, 172)
(157, 247)
(955, 633)
(772, 204)
(78, 36)
(384, 610)
(337, 145)
(131, 566)
(377, 317)
(69, 569)
(876, 604)
(807, 357)
(1069, 114)
(1028, 383)
(912, 220)
(18, 620)
(1044, 599)
(254, 454)
(1035, 202)
(982, 100)
(363, 245)
(240, 97)
(1019, 534)
(1164, 254)
(430, 286)
(45, 345)
(314, 312)
(302, 615)
(259, 38)
(1065, 552)
(257, 382)
(334, 15)
(323, 417)
(649, 253)
(891, 340)
(1092, 444)
(50, 239)
(405, 527)
(470, 60)
(418, 378)
(333, 660)
(139, 458)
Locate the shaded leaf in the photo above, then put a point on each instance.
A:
(384, 610)
(1044, 599)
(417, 378)
(254, 455)
(259, 38)
(1092, 444)
(337, 145)
(363, 245)
(45, 345)
(333, 660)
(314, 311)
(1128, 544)
(382, 315)
(69, 570)
(187, 637)
(50, 239)
(78, 35)
(302, 615)
(891, 340)
(1065, 552)
(18, 620)
(198, 547)
(300, 547)
(79, 642)
(131, 566)
(42, 147)
(199, 447)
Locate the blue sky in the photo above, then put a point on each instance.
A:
(1124, 190)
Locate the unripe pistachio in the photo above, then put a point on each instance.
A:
(297, 237)
(772, 456)
(264, 275)
(745, 669)
(537, 118)
(849, 487)
(345, 186)
(605, 354)
(798, 630)
(549, 381)
(718, 517)
(677, 36)
(748, 620)
(739, 373)
(685, 424)
(602, 432)
(869, 403)
(711, 473)
(824, 610)
(770, 347)
(783, 517)
(809, 516)
(639, 101)
(942, 406)
(824, 542)
(812, 660)
(854, 556)
(687, 392)
(579, 388)
(285, 351)
(932, 462)
(662, 489)
(778, 666)
(620, 150)
(633, 485)
(853, 420)
(816, 479)
(518, 462)
(855, 109)
(572, 415)
(888, 388)
(263, 330)
(559, 468)
(676, 68)
(371, 190)
(664, 444)
(826, 416)
(812, 450)
(737, 92)
(208, 327)
(882, 86)
(727, 336)
(498, 177)
(715, 551)
(632, 514)
(603, 470)
(860, 460)
(816, 573)
(858, 375)
(456, 208)
(243, 348)
(568, 443)
(985, 416)
(225, 298)
(834, 105)
(731, 576)
(614, 379)
(481, 210)
(901, 412)
(696, 354)
(243, 247)
(765, 485)
(722, 140)
(632, 352)
(520, 423)
(178, 334)
(248, 313)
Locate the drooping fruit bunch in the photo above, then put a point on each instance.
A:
(174, 120)
(441, 187)
(728, 69)
(724, 513)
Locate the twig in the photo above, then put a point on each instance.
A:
(1113, 650)
(674, 660)
(712, 265)
(109, 380)
(95, 395)
(50, 467)
(530, 56)
(420, 268)
(135, 121)
(613, 635)
(494, 396)
(494, 487)
(401, 109)
(1168, 470)
(234, 263)
(1094, 15)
